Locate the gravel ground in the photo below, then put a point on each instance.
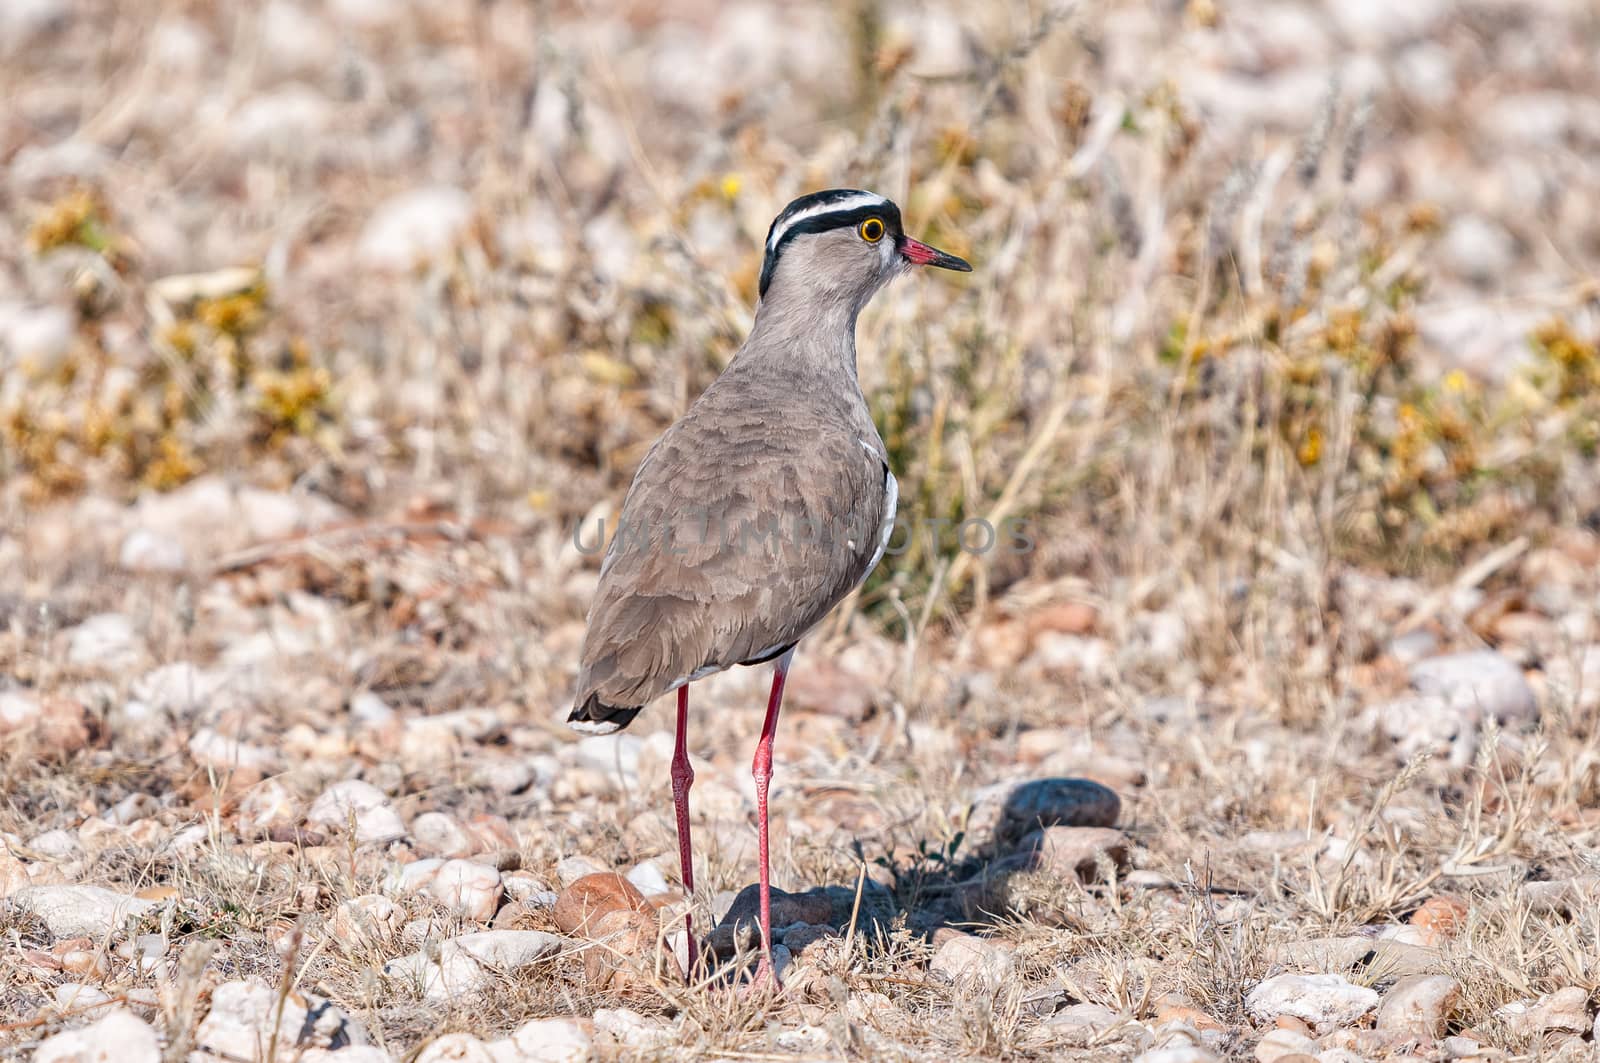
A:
(323, 326)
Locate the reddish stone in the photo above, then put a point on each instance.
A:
(592, 896)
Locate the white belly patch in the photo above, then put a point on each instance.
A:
(891, 503)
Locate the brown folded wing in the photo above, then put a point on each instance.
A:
(744, 526)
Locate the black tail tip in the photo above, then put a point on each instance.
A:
(593, 718)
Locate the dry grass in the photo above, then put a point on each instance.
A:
(1201, 357)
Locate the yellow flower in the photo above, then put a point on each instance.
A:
(233, 315)
(1311, 448)
(1343, 331)
(73, 219)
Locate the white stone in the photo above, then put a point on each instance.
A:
(611, 753)
(1566, 1011)
(1077, 1024)
(370, 918)
(1490, 340)
(38, 163)
(472, 725)
(266, 807)
(1418, 1005)
(804, 1041)
(414, 227)
(415, 876)
(145, 952)
(22, 20)
(1277, 1043)
(136, 721)
(79, 911)
(438, 834)
(467, 889)
(369, 710)
(1381, 22)
(220, 753)
(59, 844)
(179, 44)
(347, 1054)
(1426, 71)
(145, 551)
(294, 40)
(209, 515)
(537, 235)
(132, 809)
(1273, 841)
(278, 514)
(553, 1040)
(180, 688)
(376, 820)
(79, 999)
(680, 71)
(417, 933)
(368, 13)
(504, 776)
(437, 739)
(611, 244)
(630, 1029)
(105, 640)
(1479, 684)
(456, 1048)
(1340, 1055)
(646, 876)
(1178, 1053)
(528, 887)
(258, 657)
(1426, 724)
(1290, 99)
(283, 121)
(940, 47)
(188, 841)
(471, 961)
(1080, 655)
(967, 958)
(506, 950)
(1413, 646)
(1326, 1001)
(1456, 693)
(240, 1022)
(1541, 119)
(1478, 249)
(40, 335)
(571, 868)
(119, 1037)
(18, 709)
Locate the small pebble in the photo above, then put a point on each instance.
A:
(467, 889)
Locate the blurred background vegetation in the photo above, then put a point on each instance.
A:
(1249, 281)
(324, 322)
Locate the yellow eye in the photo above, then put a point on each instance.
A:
(872, 230)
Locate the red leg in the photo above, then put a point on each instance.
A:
(762, 769)
(682, 779)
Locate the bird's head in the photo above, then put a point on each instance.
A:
(841, 245)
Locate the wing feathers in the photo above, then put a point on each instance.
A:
(743, 528)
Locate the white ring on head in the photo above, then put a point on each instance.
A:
(865, 199)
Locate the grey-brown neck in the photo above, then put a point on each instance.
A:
(806, 321)
(794, 337)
